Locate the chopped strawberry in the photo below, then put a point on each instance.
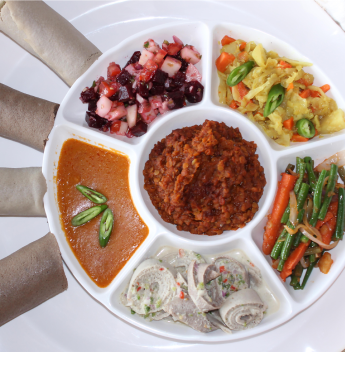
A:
(113, 70)
(107, 90)
(159, 57)
(174, 48)
(115, 127)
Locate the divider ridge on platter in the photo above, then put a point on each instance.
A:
(69, 120)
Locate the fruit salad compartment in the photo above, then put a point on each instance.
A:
(70, 123)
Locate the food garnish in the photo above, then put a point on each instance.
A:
(312, 220)
(106, 227)
(87, 215)
(91, 194)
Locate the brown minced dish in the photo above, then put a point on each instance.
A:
(205, 178)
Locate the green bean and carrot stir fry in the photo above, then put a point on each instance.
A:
(307, 219)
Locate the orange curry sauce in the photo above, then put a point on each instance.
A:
(106, 172)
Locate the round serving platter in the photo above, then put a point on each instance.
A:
(70, 123)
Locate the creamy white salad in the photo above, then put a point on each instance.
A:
(223, 291)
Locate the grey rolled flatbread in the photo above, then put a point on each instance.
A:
(243, 309)
(22, 191)
(50, 37)
(25, 119)
(29, 277)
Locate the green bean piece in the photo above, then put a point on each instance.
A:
(312, 258)
(314, 250)
(339, 229)
(307, 274)
(298, 161)
(297, 286)
(317, 198)
(290, 237)
(278, 245)
(311, 175)
(330, 189)
(294, 280)
(281, 265)
(106, 227)
(289, 167)
(91, 194)
(301, 170)
(274, 99)
(286, 215)
(341, 171)
(302, 195)
(297, 239)
(87, 215)
(239, 73)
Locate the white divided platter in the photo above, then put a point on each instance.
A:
(70, 123)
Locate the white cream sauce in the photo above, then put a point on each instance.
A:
(170, 255)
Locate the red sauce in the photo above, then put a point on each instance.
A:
(108, 173)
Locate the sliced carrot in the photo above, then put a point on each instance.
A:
(243, 45)
(305, 93)
(224, 60)
(305, 82)
(316, 132)
(243, 56)
(284, 65)
(226, 40)
(298, 138)
(260, 113)
(315, 93)
(233, 104)
(328, 229)
(288, 124)
(290, 86)
(293, 260)
(325, 88)
(242, 89)
(281, 201)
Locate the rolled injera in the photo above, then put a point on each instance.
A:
(25, 119)
(22, 191)
(29, 277)
(50, 37)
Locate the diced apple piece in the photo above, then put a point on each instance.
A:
(152, 46)
(171, 66)
(147, 113)
(131, 70)
(155, 101)
(132, 115)
(123, 128)
(145, 55)
(103, 106)
(164, 108)
(177, 40)
(116, 113)
(190, 54)
(193, 74)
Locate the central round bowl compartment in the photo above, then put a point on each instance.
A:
(196, 115)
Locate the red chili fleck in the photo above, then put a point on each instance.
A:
(232, 287)
(181, 295)
(221, 269)
(161, 269)
(139, 288)
(251, 264)
(225, 281)
(178, 284)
